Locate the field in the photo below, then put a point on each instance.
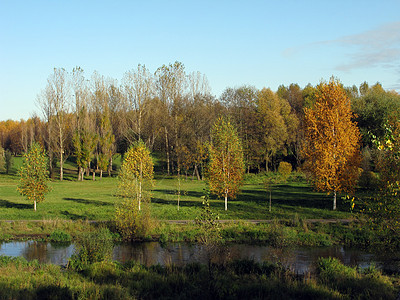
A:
(95, 200)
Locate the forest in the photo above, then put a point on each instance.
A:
(91, 119)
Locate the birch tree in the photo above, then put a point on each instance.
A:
(226, 166)
(34, 175)
(332, 140)
(136, 175)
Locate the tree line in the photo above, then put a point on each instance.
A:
(173, 112)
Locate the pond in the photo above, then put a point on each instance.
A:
(298, 259)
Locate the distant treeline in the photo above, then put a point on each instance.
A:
(173, 112)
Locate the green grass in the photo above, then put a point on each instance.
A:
(95, 200)
(244, 279)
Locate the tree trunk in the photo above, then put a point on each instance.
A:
(94, 174)
(334, 200)
(179, 186)
(226, 199)
(197, 172)
(61, 166)
(270, 196)
(167, 148)
(34, 205)
(61, 154)
(101, 174)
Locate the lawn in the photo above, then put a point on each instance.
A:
(95, 200)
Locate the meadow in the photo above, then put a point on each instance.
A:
(95, 200)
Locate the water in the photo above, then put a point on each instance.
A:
(298, 259)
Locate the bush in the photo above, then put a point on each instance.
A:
(369, 181)
(130, 222)
(285, 169)
(367, 284)
(91, 247)
(59, 236)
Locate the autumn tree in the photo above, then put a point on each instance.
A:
(226, 165)
(2, 159)
(277, 123)
(332, 140)
(34, 175)
(136, 174)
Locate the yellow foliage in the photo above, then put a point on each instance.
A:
(332, 140)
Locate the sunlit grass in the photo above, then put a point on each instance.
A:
(95, 200)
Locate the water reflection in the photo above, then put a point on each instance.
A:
(43, 252)
(300, 260)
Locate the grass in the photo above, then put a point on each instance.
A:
(242, 279)
(95, 200)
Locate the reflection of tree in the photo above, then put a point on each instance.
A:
(47, 253)
(35, 250)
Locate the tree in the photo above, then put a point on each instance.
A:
(139, 87)
(9, 161)
(2, 159)
(373, 110)
(54, 103)
(226, 166)
(136, 174)
(383, 209)
(332, 140)
(34, 175)
(277, 123)
(171, 83)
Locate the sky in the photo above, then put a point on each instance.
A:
(234, 43)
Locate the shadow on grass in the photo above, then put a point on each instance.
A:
(298, 196)
(85, 201)
(185, 193)
(183, 202)
(8, 204)
(74, 217)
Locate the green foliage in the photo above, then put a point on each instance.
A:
(136, 174)
(367, 284)
(208, 223)
(91, 247)
(59, 236)
(369, 180)
(284, 169)
(34, 175)
(240, 279)
(9, 160)
(132, 216)
(373, 109)
(130, 222)
(226, 165)
(2, 159)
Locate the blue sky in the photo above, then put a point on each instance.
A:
(259, 43)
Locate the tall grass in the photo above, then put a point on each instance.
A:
(243, 279)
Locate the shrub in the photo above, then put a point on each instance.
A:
(368, 180)
(130, 222)
(91, 247)
(285, 169)
(59, 236)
